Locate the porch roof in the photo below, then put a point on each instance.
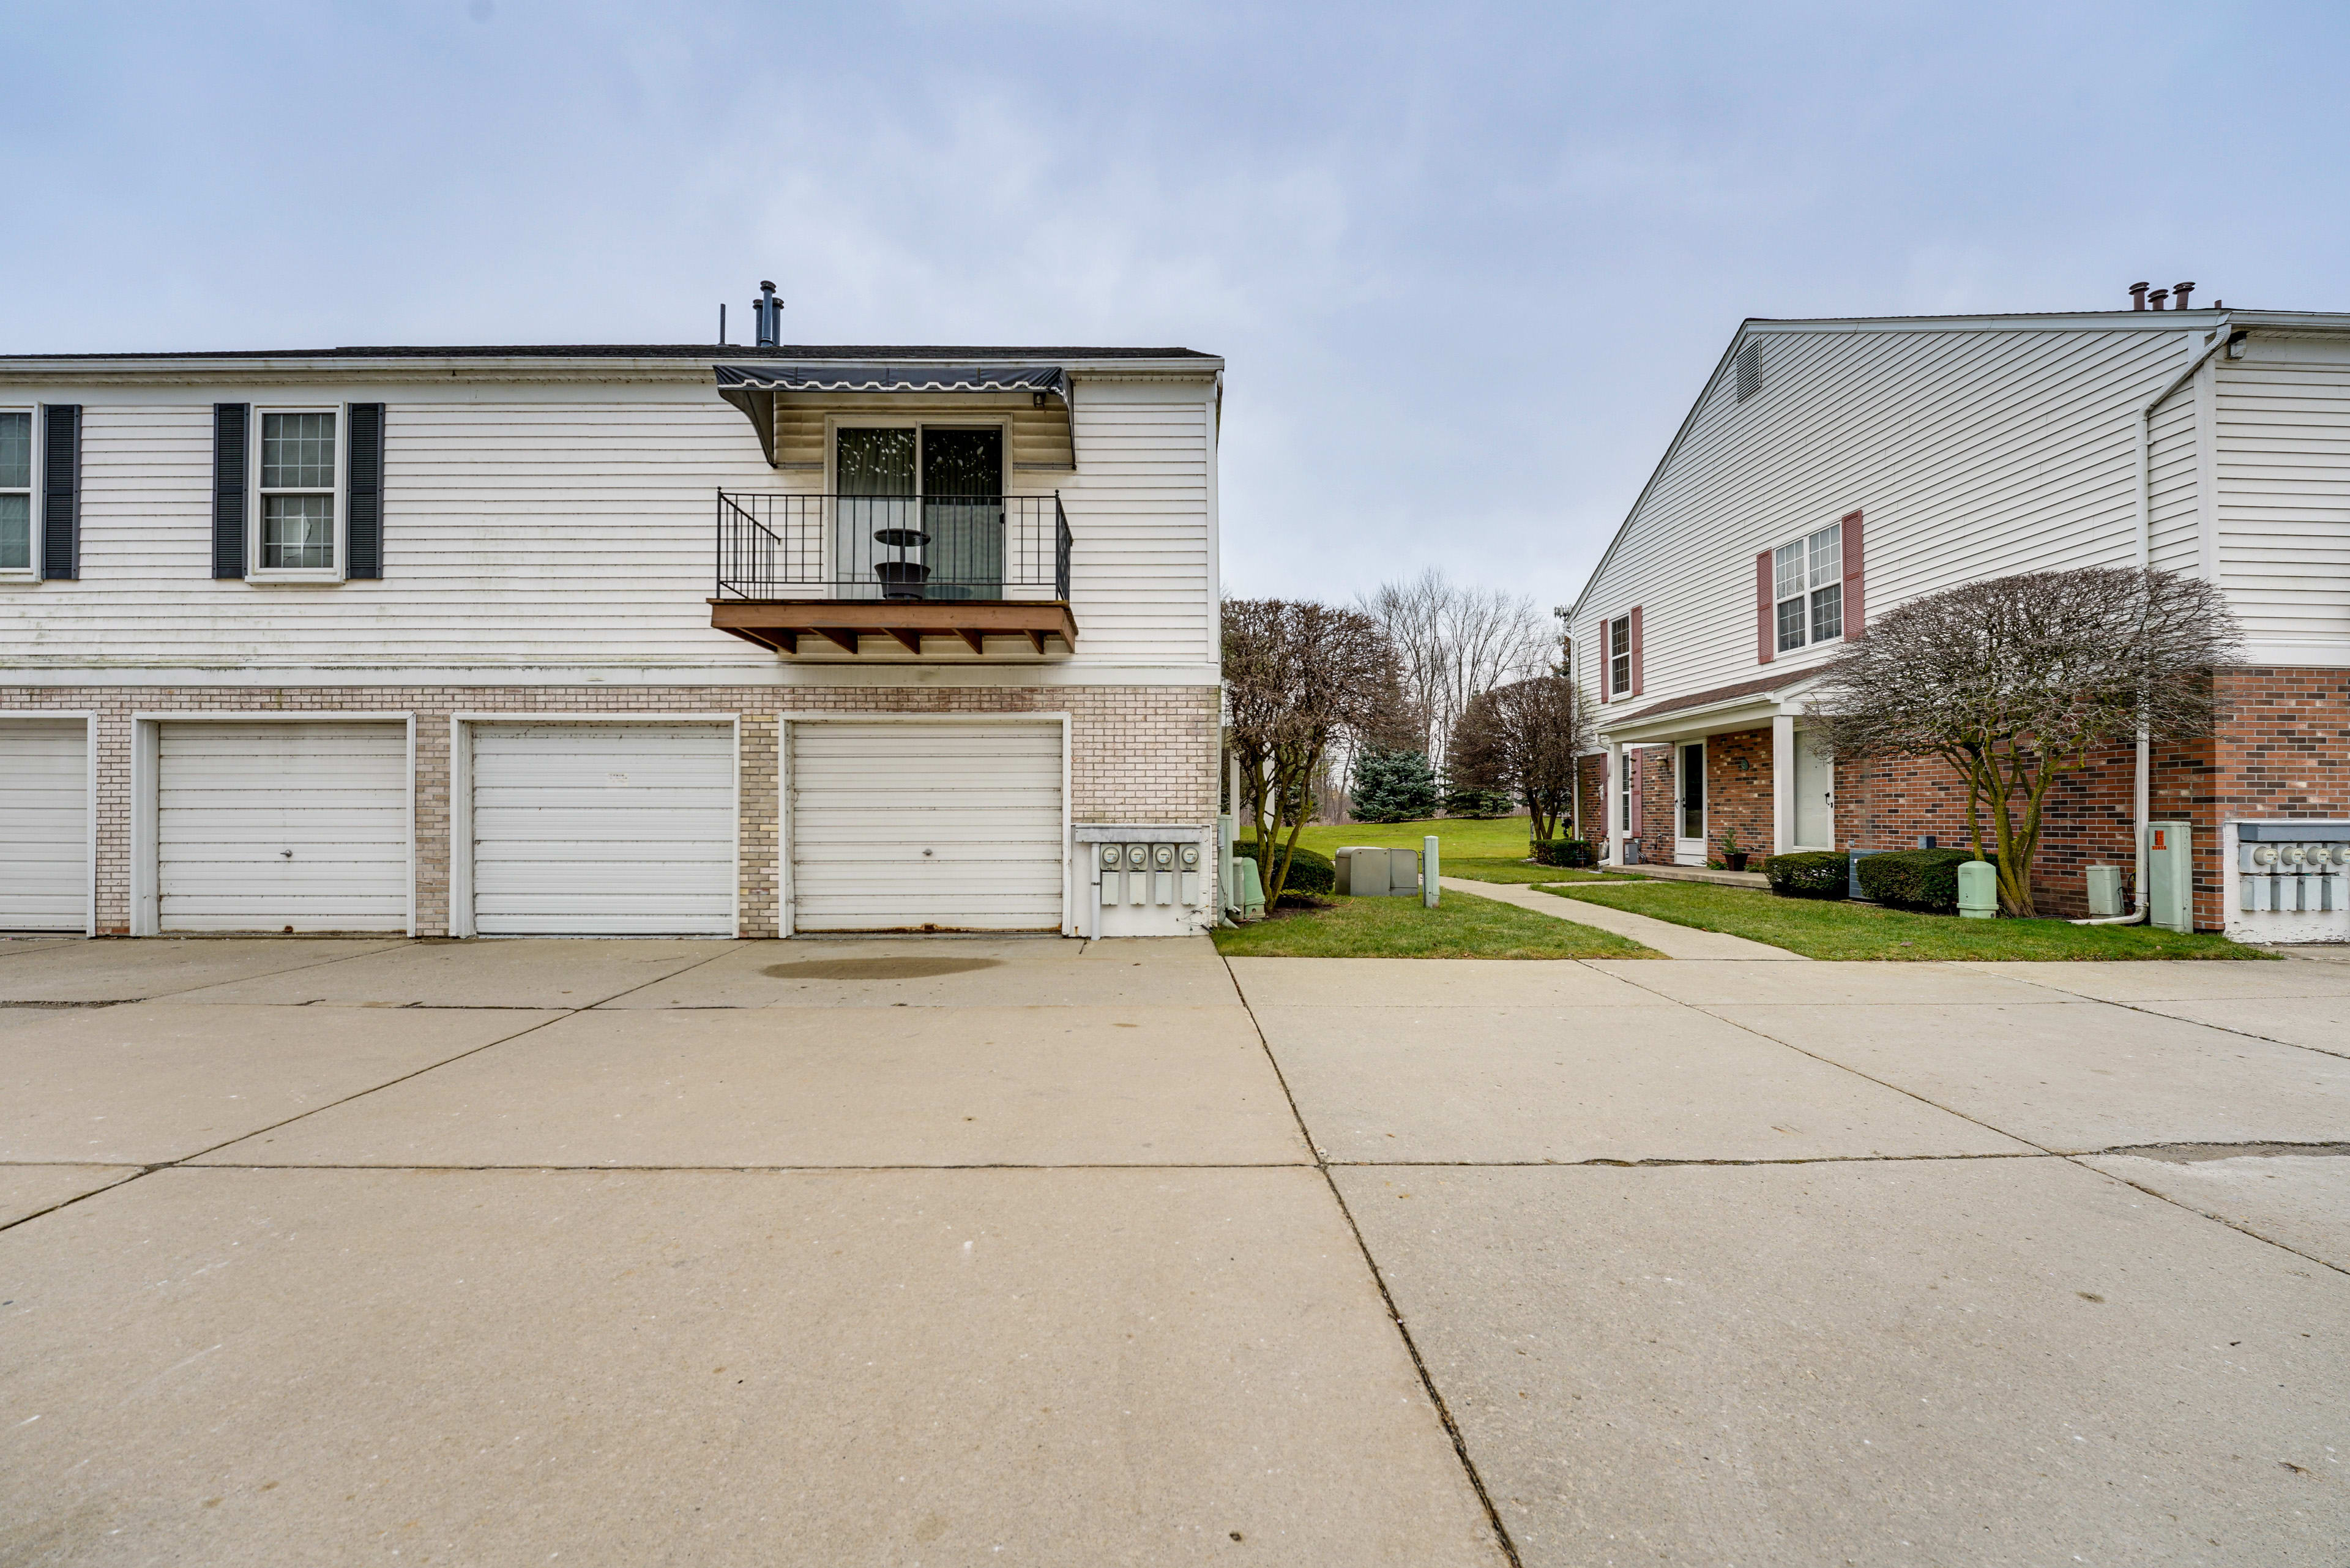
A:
(1715, 708)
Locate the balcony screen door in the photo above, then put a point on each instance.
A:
(1688, 846)
(874, 522)
(963, 512)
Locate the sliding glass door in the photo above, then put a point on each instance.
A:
(920, 512)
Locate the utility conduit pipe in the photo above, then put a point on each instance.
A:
(2222, 333)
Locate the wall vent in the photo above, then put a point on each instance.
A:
(1750, 370)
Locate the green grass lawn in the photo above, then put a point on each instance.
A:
(1831, 928)
(1486, 851)
(1461, 926)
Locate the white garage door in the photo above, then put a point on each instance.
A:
(947, 827)
(260, 827)
(43, 825)
(604, 830)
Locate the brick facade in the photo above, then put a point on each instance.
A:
(2283, 750)
(1737, 793)
(1138, 754)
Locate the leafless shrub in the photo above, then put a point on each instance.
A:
(2017, 680)
(1298, 677)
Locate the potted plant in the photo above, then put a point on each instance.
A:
(1731, 856)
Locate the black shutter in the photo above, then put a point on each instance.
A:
(363, 530)
(60, 490)
(230, 447)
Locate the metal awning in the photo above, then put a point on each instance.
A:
(752, 388)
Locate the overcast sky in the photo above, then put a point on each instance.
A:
(1469, 265)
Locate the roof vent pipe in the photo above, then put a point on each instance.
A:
(2137, 295)
(2154, 301)
(767, 311)
(2179, 291)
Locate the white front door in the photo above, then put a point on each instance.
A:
(1689, 806)
(281, 826)
(588, 829)
(1814, 792)
(924, 824)
(44, 824)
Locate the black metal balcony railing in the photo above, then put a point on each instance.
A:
(796, 546)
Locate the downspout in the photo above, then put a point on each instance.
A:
(2143, 438)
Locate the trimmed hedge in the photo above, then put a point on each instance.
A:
(1817, 874)
(1573, 852)
(1922, 879)
(1308, 872)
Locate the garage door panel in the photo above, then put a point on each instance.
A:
(273, 823)
(984, 798)
(594, 829)
(45, 805)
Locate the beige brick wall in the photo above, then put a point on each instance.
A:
(1142, 753)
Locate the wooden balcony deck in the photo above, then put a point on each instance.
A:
(849, 626)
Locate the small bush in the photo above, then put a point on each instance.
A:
(1308, 872)
(1574, 852)
(1818, 873)
(1921, 879)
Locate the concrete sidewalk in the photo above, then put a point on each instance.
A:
(1673, 940)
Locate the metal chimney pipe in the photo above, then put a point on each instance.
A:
(2154, 301)
(2179, 291)
(770, 313)
(2137, 295)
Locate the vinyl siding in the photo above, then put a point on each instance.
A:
(2175, 492)
(1972, 453)
(2283, 465)
(573, 527)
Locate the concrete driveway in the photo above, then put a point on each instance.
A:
(1046, 1252)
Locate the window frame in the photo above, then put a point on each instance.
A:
(1618, 626)
(30, 572)
(1808, 594)
(257, 523)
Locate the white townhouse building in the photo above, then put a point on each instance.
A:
(604, 640)
(1832, 469)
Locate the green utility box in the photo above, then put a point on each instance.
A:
(2105, 891)
(1979, 890)
(2170, 875)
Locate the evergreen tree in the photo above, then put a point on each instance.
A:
(1394, 786)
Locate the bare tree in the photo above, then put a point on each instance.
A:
(1299, 677)
(1524, 738)
(1452, 642)
(2017, 680)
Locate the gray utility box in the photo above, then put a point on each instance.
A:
(2170, 875)
(2105, 891)
(1367, 873)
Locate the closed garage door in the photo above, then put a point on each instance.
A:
(604, 830)
(947, 827)
(260, 827)
(43, 825)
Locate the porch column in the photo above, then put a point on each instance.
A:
(1783, 782)
(1614, 803)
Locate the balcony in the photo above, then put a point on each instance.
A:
(843, 573)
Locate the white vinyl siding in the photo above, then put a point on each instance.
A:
(44, 824)
(2284, 487)
(2175, 495)
(571, 527)
(1974, 452)
(588, 829)
(266, 825)
(906, 825)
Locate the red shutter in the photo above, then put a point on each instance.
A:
(1766, 644)
(1635, 645)
(1855, 616)
(1606, 654)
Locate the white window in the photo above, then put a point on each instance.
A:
(1619, 656)
(1809, 578)
(15, 493)
(297, 474)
